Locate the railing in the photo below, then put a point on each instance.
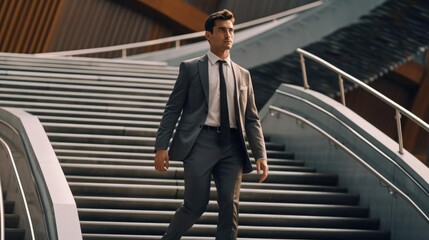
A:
(178, 39)
(343, 75)
(355, 156)
(53, 208)
(354, 132)
(21, 192)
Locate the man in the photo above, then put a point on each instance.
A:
(217, 107)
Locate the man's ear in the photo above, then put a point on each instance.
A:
(208, 35)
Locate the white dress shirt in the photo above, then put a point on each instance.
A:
(213, 117)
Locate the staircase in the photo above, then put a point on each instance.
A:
(101, 117)
(11, 221)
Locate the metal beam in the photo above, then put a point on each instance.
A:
(412, 71)
(420, 108)
(178, 12)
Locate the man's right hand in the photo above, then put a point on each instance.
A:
(161, 160)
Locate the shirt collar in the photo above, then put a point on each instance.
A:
(213, 58)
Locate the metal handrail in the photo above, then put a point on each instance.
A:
(355, 156)
(354, 132)
(20, 188)
(341, 74)
(177, 39)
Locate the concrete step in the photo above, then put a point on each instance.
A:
(103, 130)
(84, 61)
(118, 136)
(100, 139)
(112, 160)
(180, 182)
(257, 195)
(206, 230)
(104, 154)
(84, 88)
(77, 95)
(119, 215)
(96, 129)
(12, 228)
(158, 204)
(11, 220)
(14, 233)
(88, 109)
(277, 154)
(178, 164)
(95, 236)
(9, 206)
(56, 112)
(82, 100)
(133, 156)
(98, 121)
(105, 72)
(83, 80)
(120, 131)
(177, 173)
(104, 147)
(274, 146)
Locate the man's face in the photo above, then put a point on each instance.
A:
(222, 37)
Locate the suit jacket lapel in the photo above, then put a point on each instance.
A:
(237, 77)
(203, 70)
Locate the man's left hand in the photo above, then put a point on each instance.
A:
(262, 166)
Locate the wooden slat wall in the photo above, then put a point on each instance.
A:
(246, 10)
(33, 26)
(207, 6)
(96, 23)
(25, 25)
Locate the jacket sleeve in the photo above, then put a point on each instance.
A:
(173, 109)
(253, 127)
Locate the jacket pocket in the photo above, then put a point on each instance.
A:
(184, 126)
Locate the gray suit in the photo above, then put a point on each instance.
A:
(203, 157)
(190, 94)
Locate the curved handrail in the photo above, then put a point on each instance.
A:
(354, 132)
(177, 39)
(355, 156)
(59, 216)
(399, 109)
(20, 188)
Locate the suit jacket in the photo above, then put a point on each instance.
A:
(189, 100)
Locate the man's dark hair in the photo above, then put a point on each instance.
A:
(219, 15)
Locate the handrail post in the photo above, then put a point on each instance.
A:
(124, 53)
(399, 109)
(399, 127)
(393, 189)
(304, 71)
(343, 96)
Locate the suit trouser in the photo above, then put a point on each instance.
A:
(224, 161)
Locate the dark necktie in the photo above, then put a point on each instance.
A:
(224, 116)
